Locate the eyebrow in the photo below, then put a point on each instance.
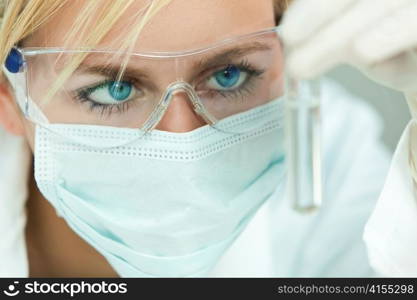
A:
(224, 57)
(112, 71)
(230, 54)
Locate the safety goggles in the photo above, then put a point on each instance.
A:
(85, 87)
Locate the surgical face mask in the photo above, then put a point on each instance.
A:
(157, 203)
(166, 204)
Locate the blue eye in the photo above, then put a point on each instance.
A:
(110, 92)
(120, 90)
(228, 79)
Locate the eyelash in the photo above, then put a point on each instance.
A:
(253, 74)
(81, 95)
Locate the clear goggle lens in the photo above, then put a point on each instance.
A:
(89, 87)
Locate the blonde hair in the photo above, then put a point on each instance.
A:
(279, 7)
(21, 18)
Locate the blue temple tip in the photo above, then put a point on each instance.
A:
(14, 61)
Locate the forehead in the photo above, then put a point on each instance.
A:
(182, 25)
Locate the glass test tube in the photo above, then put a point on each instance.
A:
(303, 138)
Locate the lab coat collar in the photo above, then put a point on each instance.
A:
(391, 232)
(14, 166)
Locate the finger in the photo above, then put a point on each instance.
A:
(303, 67)
(304, 17)
(330, 46)
(412, 105)
(395, 34)
(398, 72)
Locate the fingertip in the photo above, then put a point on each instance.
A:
(290, 36)
(392, 35)
(293, 25)
(298, 68)
(366, 52)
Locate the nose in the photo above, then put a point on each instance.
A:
(180, 115)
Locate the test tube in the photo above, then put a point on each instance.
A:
(303, 139)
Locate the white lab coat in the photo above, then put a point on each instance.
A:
(278, 241)
(391, 232)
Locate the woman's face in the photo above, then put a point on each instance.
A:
(182, 25)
